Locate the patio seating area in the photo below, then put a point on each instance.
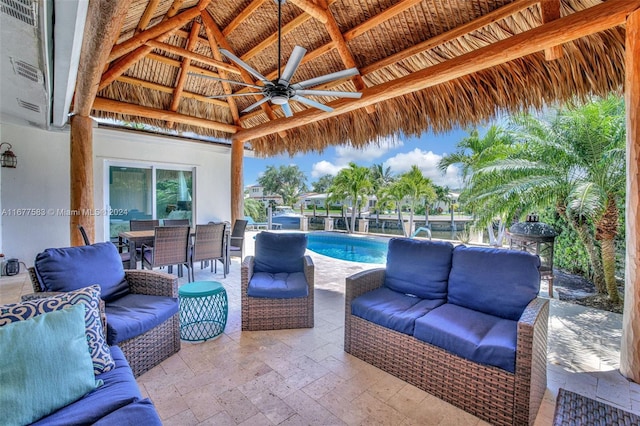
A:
(303, 376)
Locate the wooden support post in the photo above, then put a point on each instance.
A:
(630, 347)
(81, 174)
(237, 189)
(550, 10)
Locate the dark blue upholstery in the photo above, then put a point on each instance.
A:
(418, 267)
(282, 285)
(135, 314)
(392, 309)
(280, 252)
(119, 390)
(494, 281)
(135, 414)
(72, 268)
(479, 337)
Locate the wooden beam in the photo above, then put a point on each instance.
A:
(117, 107)
(389, 13)
(244, 14)
(81, 178)
(176, 63)
(237, 187)
(193, 55)
(550, 10)
(147, 15)
(312, 9)
(184, 70)
(630, 346)
(175, 7)
(167, 89)
(273, 38)
(580, 24)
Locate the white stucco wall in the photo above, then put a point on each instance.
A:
(41, 181)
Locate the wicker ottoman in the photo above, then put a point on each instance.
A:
(203, 310)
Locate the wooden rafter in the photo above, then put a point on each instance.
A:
(147, 15)
(550, 10)
(244, 14)
(167, 89)
(313, 10)
(117, 107)
(175, 7)
(580, 24)
(193, 56)
(184, 70)
(384, 16)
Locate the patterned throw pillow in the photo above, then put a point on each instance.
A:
(90, 297)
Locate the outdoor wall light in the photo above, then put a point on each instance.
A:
(8, 158)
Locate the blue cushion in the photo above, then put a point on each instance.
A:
(71, 268)
(280, 252)
(134, 314)
(119, 389)
(418, 267)
(472, 335)
(135, 414)
(45, 365)
(494, 281)
(278, 286)
(391, 309)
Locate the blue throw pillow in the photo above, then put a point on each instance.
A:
(280, 252)
(498, 282)
(71, 268)
(418, 267)
(45, 365)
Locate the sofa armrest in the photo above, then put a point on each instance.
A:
(152, 283)
(363, 282)
(309, 272)
(35, 282)
(246, 272)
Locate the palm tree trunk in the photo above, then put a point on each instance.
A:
(596, 262)
(606, 231)
(353, 220)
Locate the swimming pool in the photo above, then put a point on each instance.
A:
(355, 248)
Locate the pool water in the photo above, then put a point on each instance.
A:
(354, 248)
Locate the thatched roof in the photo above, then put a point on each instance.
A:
(417, 44)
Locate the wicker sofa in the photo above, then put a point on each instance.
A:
(141, 306)
(463, 324)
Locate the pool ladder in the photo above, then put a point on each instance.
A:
(422, 229)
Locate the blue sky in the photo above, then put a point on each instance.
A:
(399, 154)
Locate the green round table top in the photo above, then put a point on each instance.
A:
(200, 289)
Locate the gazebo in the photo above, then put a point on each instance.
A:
(177, 66)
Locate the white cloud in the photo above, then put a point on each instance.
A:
(324, 167)
(427, 162)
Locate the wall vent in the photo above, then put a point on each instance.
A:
(22, 10)
(28, 105)
(25, 70)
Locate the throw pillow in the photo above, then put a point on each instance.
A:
(90, 298)
(45, 365)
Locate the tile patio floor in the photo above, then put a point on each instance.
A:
(303, 377)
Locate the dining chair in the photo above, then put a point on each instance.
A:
(143, 224)
(209, 244)
(175, 222)
(125, 257)
(236, 243)
(170, 247)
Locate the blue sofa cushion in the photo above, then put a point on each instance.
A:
(280, 252)
(392, 309)
(418, 267)
(134, 314)
(278, 286)
(494, 281)
(479, 337)
(118, 390)
(71, 268)
(135, 414)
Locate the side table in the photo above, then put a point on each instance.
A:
(203, 310)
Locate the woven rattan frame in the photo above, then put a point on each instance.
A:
(151, 348)
(260, 313)
(490, 393)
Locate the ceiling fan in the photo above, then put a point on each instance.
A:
(280, 91)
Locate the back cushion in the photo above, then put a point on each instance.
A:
(72, 268)
(498, 282)
(280, 252)
(418, 267)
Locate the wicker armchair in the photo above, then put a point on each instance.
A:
(148, 349)
(272, 313)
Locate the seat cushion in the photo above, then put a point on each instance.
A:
(472, 335)
(280, 252)
(392, 309)
(118, 390)
(135, 314)
(71, 268)
(494, 281)
(418, 267)
(137, 413)
(278, 286)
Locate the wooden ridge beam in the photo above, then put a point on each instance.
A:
(244, 14)
(550, 10)
(384, 16)
(184, 70)
(117, 107)
(580, 24)
(193, 56)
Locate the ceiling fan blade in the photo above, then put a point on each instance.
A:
(292, 64)
(354, 95)
(312, 103)
(255, 104)
(286, 108)
(242, 83)
(234, 95)
(326, 78)
(244, 65)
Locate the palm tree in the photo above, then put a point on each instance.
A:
(380, 178)
(417, 188)
(352, 184)
(394, 193)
